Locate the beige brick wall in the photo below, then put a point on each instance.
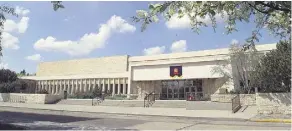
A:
(84, 66)
(29, 98)
(245, 99)
(273, 103)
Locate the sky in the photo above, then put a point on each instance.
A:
(97, 29)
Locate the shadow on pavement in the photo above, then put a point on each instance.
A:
(35, 121)
(43, 117)
(10, 127)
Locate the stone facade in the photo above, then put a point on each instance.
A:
(245, 99)
(267, 103)
(274, 103)
(141, 88)
(29, 98)
(84, 66)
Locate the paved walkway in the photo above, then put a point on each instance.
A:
(179, 112)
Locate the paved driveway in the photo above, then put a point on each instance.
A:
(59, 120)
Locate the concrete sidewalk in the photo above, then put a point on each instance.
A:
(179, 112)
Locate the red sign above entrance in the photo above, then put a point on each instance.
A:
(175, 71)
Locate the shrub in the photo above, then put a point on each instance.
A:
(43, 91)
(7, 87)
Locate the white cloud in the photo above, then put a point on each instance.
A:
(88, 42)
(178, 23)
(184, 22)
(69, 18)
(9, 41)
(10, 26)
(234, 42)
(21, 26)
(154, 50)
(179, 46)
(3, 65)
(21, 11)
(35, 57)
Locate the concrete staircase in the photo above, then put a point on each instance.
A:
(189, 105)
(127, 103)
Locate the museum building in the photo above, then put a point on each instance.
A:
(172, 76)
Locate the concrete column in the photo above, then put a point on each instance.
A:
(50, 87)
(94, 84)
(42, 84)
(46, 84)
(86, 81)
(80, 85)
(114, 87)
(55, 86)
(103, 85)
(99, 83)
(124, 86)
(66, 85)
(73, 86)
(108, 84)
(119, 86)
(61, 86)
(69, 90)
(129, 90)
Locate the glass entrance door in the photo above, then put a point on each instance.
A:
(177, 89)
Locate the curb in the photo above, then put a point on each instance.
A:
(272, 120)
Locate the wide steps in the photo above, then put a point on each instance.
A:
(126, 103)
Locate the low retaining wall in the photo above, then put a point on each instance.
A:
(273, 103)
(245, 99)
(29, 98)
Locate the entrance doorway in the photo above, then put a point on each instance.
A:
(179, 89)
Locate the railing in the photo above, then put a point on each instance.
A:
(97, 99)
(235, 101)
(149, 99)
(192, 96)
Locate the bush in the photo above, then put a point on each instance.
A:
(7, 87)
(82, 95)
(116, 97)
(43, 91)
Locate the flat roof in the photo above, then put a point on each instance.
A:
(200, 53)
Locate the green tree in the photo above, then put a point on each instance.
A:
(238, 67)
(7, 79)
(273, 73)
(7, 75)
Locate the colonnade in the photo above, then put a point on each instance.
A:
(72, 86)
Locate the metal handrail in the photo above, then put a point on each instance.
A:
(100, 98)
(149, 98)
(235, 101)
